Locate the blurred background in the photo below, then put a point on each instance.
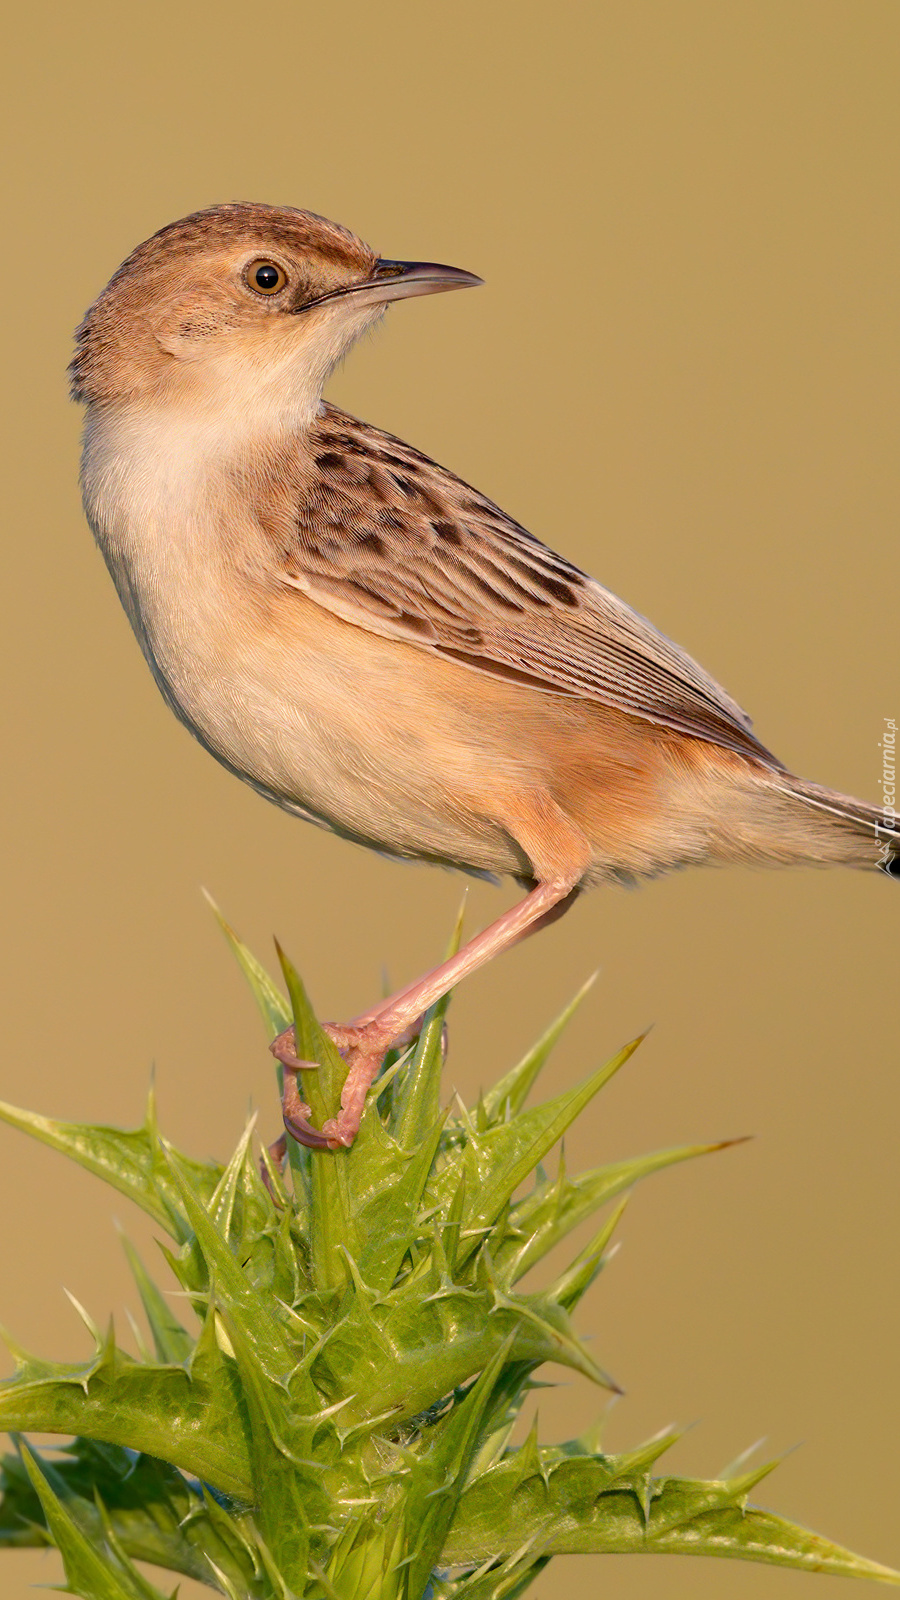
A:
(682, 372)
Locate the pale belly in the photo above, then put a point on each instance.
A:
(332, 723)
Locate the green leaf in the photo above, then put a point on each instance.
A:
(418, 1095)
(578, 1277)
(436, 1481)
(155, 1514)
(245, 1216)
(503, 1580)
(330, 1225)
(386, 1172)
(274, 1008)
(365, 1563)
(95, 1572)
(172, 1342)
(410, 1349)
(508, 1153)
(587, 1505)
(129, 1161)
(388, 1221)
(542, 1218)
(290, 1494)
(22, 1521)
(194, 1419)
(322, 1088)
(509, 1093)
(248, 1309)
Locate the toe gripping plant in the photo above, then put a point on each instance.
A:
(342, 1422)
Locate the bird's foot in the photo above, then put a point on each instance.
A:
(364, 1049)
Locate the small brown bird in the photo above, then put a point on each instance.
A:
(376, 646)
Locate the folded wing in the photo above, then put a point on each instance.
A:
(394, 543)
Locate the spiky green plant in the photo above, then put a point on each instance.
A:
(340, 1427)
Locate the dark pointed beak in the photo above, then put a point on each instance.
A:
(400, 280)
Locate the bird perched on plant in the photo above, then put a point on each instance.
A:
(371, 643)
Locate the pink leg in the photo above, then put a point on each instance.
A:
(560, 855)
(365, 1041)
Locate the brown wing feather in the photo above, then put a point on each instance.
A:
(390, 540)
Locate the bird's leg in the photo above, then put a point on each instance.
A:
(284, 1046)
(551, 838)
(365, 1041)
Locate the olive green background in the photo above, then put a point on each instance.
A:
(682, 373)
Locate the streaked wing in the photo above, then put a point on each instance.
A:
(393, 542)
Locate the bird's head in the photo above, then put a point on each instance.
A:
(240, 304)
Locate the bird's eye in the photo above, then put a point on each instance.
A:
(266, 277)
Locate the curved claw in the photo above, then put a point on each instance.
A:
(363, 1054)
(337, 1137)
(294, 1110)
(284, 1049)
(301, 1129)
